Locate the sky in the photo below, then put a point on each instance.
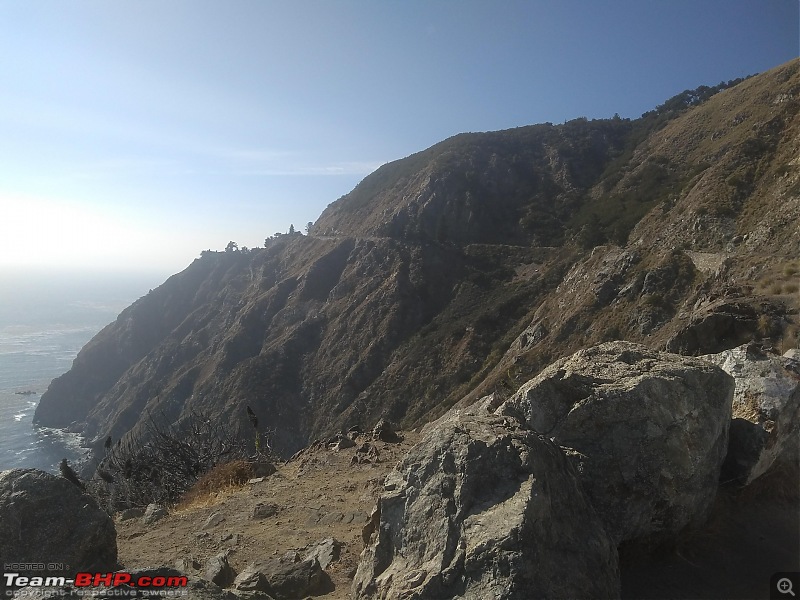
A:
(135, 134)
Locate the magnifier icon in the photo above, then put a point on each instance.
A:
(785, 586)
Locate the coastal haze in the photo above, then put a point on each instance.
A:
(45, 319)
(138, 134)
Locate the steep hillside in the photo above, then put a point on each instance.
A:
(519, 186)
(467, 267)
(714, 261)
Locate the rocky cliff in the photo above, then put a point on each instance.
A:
(467, 267)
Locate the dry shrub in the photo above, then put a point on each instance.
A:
(765, 327)
(790, 339)
(748, 408)
(224, 477)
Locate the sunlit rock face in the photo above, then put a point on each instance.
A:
(485, 508)
(647, 431)
(766, 410)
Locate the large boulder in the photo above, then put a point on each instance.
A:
(484, 508)
(766, 411)
(45, 519)
(285, 578)
(647, 431)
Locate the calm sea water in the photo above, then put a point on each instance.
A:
(45, 319)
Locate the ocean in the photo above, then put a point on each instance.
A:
(45, 319)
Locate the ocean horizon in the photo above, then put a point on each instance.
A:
(45, 319)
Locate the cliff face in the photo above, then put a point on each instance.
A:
(467, 267)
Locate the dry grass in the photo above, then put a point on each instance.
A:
(213, 486)
(790, 338)
(765, 326)
(748, 409)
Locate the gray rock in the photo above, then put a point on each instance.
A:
(532, 335)
(325, 552)
(385, 431)
(46, 519)
(213, 520)
(484, 508)
(341, 442)
(648, 432)
(793, 353)
(153, 513)
(289, 581)
(263, 510)
(331, 518)
(188, 564)
(251, 579)
(130, 513)
(263, 468)
(766, 411)
(284, 578)
(219, 571)
(366, 453)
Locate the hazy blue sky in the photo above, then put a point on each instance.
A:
(138, 133)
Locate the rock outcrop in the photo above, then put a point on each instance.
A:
(722, 324)
(219, 571)
(285, 578)
(484, 508)
(647, 431)
(766, 410)
(45, 519)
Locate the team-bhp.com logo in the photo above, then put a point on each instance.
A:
(86, 580)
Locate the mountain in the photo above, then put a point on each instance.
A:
(465, 268)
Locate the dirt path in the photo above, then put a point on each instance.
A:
(320, 494)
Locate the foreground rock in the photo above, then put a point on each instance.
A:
(483, 508)
(648, 432)
(285, 578)
(219, 571)
(766, 411)
(46, 519)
